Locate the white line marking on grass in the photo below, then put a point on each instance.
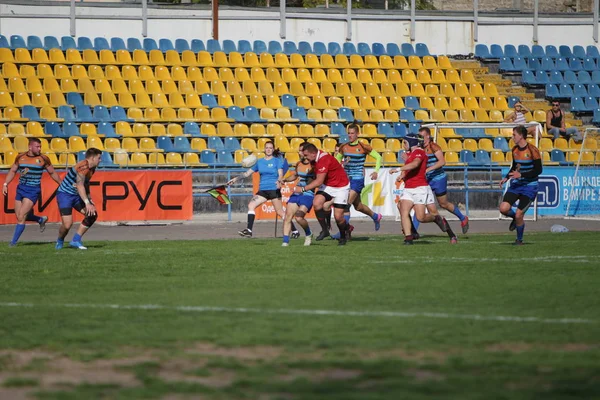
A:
(388, 314)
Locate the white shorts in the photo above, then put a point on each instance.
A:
(339, 194)
(420, 195)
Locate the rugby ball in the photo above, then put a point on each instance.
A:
(249, 161)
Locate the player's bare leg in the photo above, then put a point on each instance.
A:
(22, 208)
(290, 211)
(254, 202)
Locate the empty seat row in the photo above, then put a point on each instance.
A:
(496, 51)
(541, 78)
(519, 64)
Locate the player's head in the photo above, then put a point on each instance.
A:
(353, 131)
(310, 152)
(412, 140)
(301, 150)
(93, 156)
(519, 134)
(425, 132)
(35, 146)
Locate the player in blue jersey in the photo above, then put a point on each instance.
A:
(353, 155)
(30, 166)
(270, 170)
(285, 167)
(74, 194)
(438, 180)
(523, 174)
(299, 204)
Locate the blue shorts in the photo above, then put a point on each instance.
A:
(530, 191)
(439, 186)
(67, 201)
(302, 200)
(357, 185)
(28, 192)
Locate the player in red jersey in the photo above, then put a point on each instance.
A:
(331, 174)
(417, 193)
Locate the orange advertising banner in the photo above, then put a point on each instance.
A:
(118, 196)
(266, 210)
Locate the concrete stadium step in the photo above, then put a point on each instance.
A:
(467, 64)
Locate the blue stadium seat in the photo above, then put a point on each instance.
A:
(579, 52)
(31, 113)
(346, 114)
(421, 50)
(552, 52)
(379, 49)
(593, 90)
(67, 42)
(534, 64)
(412, 103)
(565, 91)
(84, 43)
(213, 45)
(209, 100)
(528, 78)
(181, 45)
(524, 50)
(407, 50)
(197, 45)
(565, 51)
(570, 77)
(407, 114)
(384, 128)
(117, 113)
(64, 112)
(81, 156)
(215, 143)
(596, 118)
(496, 51)
(552, 91)
(274, 47)
(364, 49)
(482, 51)
(165, 45)
(252, 115)
(584, 78)
(542, 77)
(165, 143)
(259, 46)
(229, 46)
(134, 44)
(149, 44)
(4, 44)
(538, 51)
(596, 77)
(225, 158)
(591, 103)
(289, 48)
(510, 51)
(34, 42)
(348, 49)
(399, 130)
(17, 42)
(181, 144)
(71, 128)
(231, 144)
(74, 99)
(413, 127)
(337, 129)
(500, 143)
(512, 100)
(592, 52)
(101, 43)
(244, 47)
(106, 160)
(333, 48)
(466, 156)
(300, 113)
(101, 113)
(556, 77)
(289, 101)
(117, 43)
(589, 64)
(191, 128)
(54, 129)
(107, 129)
(579, 91)
(559, 157)
(84, 113)
(483, 157)
(236, 113)
(393, 49)
(577, 105)
(319, 48)
(575, 64)
(562, 64)
(520, 64)
(208, 157)
(547, 64)
(304, 48)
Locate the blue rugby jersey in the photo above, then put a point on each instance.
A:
(31, 168)
(68, 184)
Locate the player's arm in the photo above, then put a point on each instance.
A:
(378, 160)
(537, 166)
(510, 118)
(90, 209)
(317, 182)
(509, 175)
(411, 165)
(9, 177)
(441, 161)
(244, 175)
(53, 173)
(293, 175)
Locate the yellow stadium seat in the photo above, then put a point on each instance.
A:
(251, 60)
(202, 114)
(198, 144)
(326, 61)
(138, 160)
(371, 62)
(452, 76)
(349, 75)
(34, 128)
(236, 60)
(389, 159)
(470, 144)
(21, 144)
(356, 62)
(241, 130)
(130, 144)
(318, 101)
(451, 157)
(467, 76)
(432, 90)
(191, 160)
(224, 129)
(587, 158)
(351, 102)
(266, 60)
(423, 76)
(15, 130)
(438, 76)
(364, 76)
(572, 156)
(496, 116)
(366, 102)
(282, 61)
(248, 144)
(429, 63)
(441, 103)
(49, 114)
(66, 160)
(13, 114)
(497, 156)
(314, 114)
(322, 130)
(333, 75)
(6, 55)
(58, 145)
(188, 58)
(33, 84)
(220, 59)
(330, 115)
(329, 144)
(156, 159)
(22, 56)
(6, 145)
(22, 99)
(204, 59)
(312, 61)
(123, 128)
(257, 130)
(6, 99)
(392, 115)
(297, 61)
(378, 145)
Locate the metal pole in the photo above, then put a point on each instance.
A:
(145, 18)
(349, 20)
(596, 6)
(413, 7)
(282, 19)
(475, 20)
(72, 29)
(536, 4)
(215, 19)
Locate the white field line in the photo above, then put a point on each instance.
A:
(267, 311)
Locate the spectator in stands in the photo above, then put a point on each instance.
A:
(518, 117)
(555, 124)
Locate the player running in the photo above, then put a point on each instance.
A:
(30, 166)
(524, 172)
(417, 193)
(74, 193)
(299, 204)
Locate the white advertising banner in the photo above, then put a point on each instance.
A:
(380, 195)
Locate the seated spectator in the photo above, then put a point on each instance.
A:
(518, 117)
(555, 124)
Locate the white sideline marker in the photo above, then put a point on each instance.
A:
(388, 314)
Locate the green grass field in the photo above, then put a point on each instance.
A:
(248, 319)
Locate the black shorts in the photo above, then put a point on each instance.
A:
(269, 194)
(512, 197)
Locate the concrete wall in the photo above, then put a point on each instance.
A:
(441, 36)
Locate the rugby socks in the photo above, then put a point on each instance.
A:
(511, 213)
(77, 238)
(286, 238)
(32, 217)
(343, 227)
(520, 230)
(307, 231)
(294, 229)
(251, 217)
(414, 223)
(18, 232)
(458, 213)
(375, 216)
(324, 219)
(328, 219)
(347, 218)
